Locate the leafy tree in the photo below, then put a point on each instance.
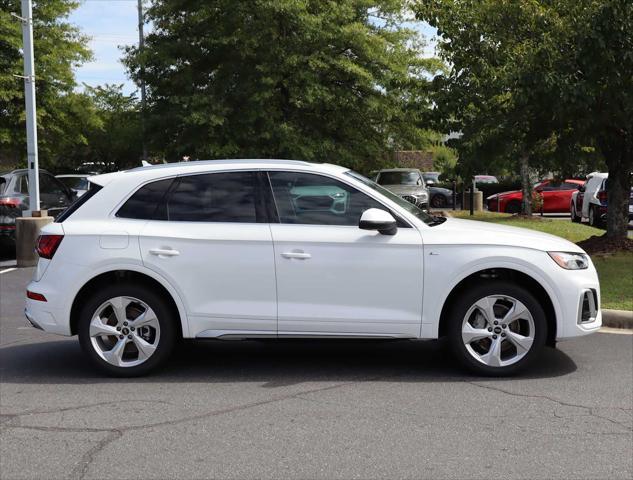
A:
(318, 80)
(59, 47)
(541, 80)
(114, 142)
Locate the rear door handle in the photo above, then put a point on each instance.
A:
(164, 252)
(297, 255)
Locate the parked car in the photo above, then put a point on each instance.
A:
(590, 200)
(14, 197)
(286, 249)
(439, 197)
(486, 179)
(408, 183)
(556, 195)
(77, 182)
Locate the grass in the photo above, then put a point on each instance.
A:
(616, 280)
(574, 232)
(615, 271)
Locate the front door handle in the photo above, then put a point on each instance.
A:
(297, 255)
(164, 252)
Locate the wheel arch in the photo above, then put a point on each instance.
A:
(124, 274)
(514, 276)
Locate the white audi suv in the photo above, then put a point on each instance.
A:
(241, 249)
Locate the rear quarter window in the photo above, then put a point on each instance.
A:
(144, 203)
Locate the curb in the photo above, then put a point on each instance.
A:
(617, 318)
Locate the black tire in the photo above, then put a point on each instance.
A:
(164, 315)
(594, 217)
(438, 201)
(466, 299)
(574, 218)
(513, 206)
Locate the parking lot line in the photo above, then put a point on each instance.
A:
(7, 270)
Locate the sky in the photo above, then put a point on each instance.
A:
(113, 23)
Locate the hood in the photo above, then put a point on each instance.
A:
(503, 194)
(406, 189)
(470, 232)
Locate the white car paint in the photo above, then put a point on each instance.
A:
(249, 280)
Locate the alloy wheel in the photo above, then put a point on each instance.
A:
(498, 330)
(124, 331)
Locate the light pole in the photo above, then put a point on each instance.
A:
(29, 98)
(141, 44)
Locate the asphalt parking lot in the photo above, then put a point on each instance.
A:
(300, 409)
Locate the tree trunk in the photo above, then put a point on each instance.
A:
(526, 187)
(618, 153)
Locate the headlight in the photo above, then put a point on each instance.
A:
(423, 197)
(570, 261)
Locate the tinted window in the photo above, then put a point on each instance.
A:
(570, 186)
(399, 178)
(51, 186)
(214, 197)
(77, 183)
(144, 202)
(304, 198)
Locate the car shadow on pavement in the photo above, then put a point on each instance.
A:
(273, 363)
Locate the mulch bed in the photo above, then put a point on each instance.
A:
(604, 244)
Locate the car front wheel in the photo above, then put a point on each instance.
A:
(496, 329)
(126, 330)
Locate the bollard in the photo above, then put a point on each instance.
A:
(478, 204)
(27, 229)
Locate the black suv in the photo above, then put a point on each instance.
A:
(14, 197)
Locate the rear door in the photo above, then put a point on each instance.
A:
(210, 239)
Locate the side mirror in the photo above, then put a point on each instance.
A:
(376, 219)
(581, 188)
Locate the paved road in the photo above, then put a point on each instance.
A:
(310, 410)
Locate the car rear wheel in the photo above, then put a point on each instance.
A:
(514, 206)
(496, 329)
(126, 330)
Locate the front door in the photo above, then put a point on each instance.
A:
(334, 278)
(212, 243)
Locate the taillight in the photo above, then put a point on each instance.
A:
(35, 296)
(602, 196)
(11, 202)
(47, 245)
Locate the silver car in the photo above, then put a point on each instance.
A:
(408, 183)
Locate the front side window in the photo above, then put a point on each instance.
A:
(402, 203)
(310, 199)
(51, 186)
(213, 197)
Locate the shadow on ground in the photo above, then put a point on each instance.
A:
(274, 363)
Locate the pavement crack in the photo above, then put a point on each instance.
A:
(588, 409)
(80, 470)
(208, 414)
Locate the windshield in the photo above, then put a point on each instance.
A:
(399, 178)
(409, 207)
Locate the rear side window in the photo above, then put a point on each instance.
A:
(144, 203)
(94, 188)
(214, 197)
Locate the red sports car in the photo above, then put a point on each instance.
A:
(556, 196)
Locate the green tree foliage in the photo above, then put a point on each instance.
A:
(113, 142)
(548, 82)
(59, 47)
(319, 80)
